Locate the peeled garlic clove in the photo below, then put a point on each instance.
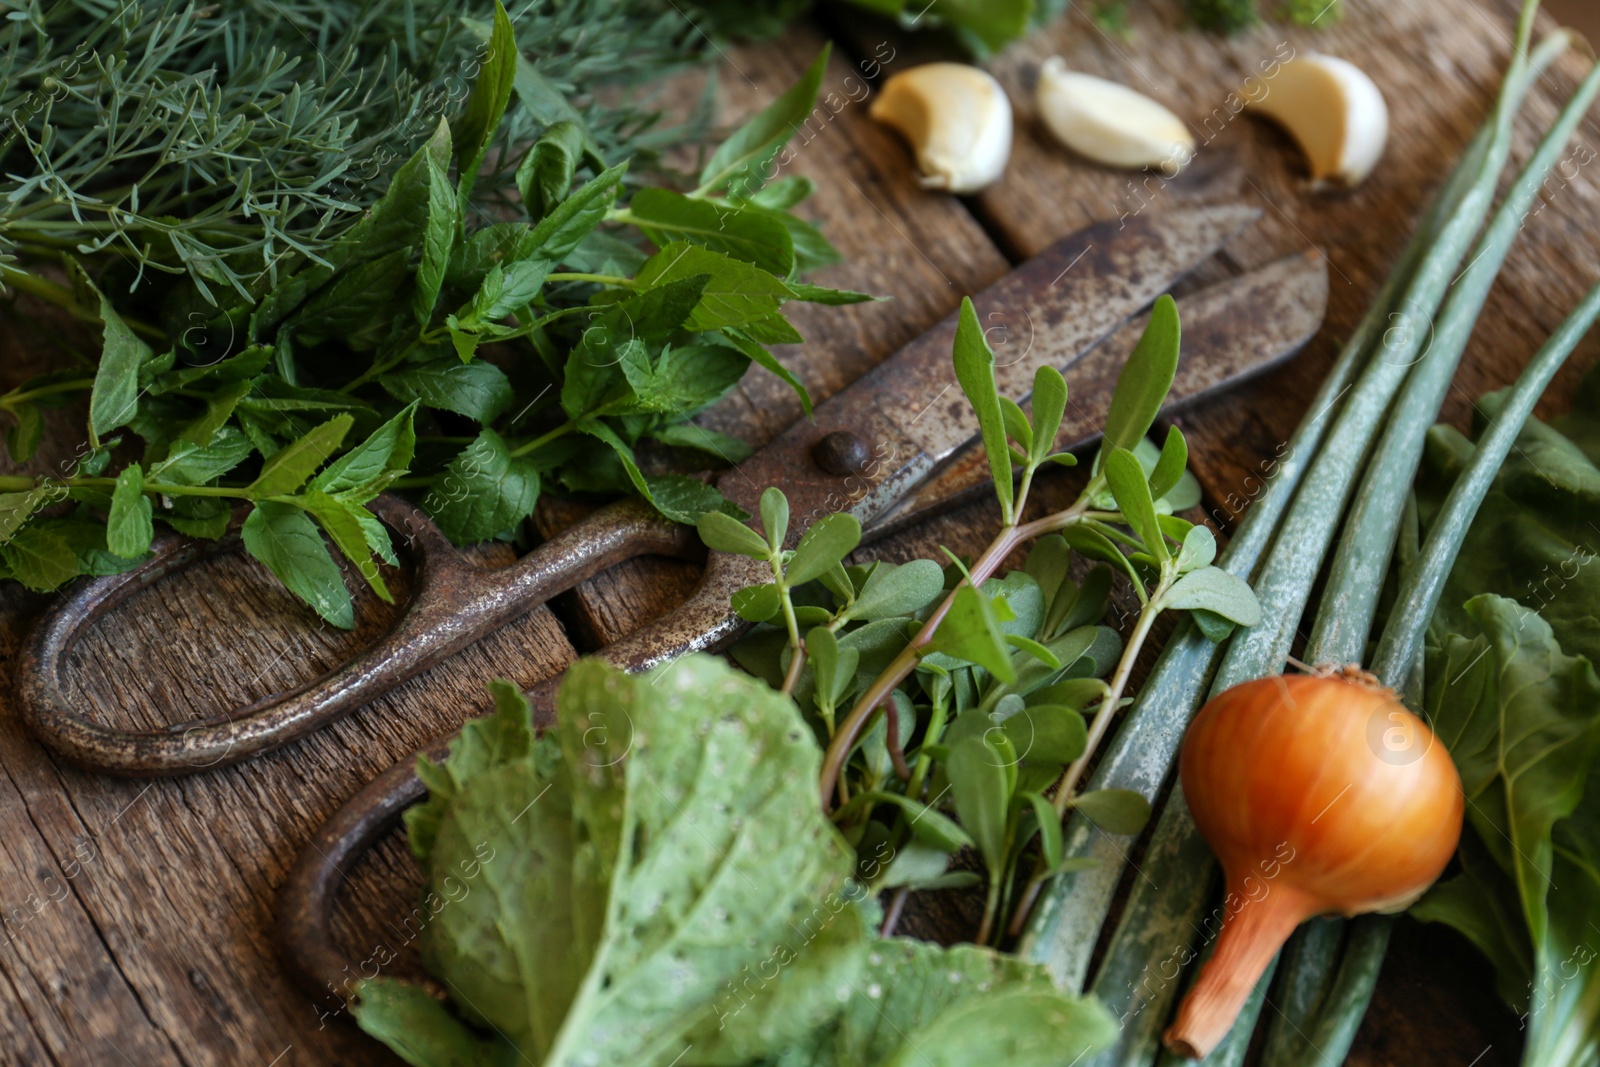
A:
(1335, 113)
(1110, 123)
(957, 119)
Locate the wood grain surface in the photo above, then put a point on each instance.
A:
(137, 914)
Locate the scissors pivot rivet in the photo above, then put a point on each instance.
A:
(840, 452)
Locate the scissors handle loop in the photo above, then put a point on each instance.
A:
(455, 601)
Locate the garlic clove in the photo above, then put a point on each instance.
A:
(1110, 123)
(957, 119)
(1334, 112)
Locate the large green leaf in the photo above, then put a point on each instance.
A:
(1522, 721)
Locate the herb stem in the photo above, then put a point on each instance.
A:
(905, 662)
(1102, 724)
(991, 901)
(545, 438)
(15, 397)
(797, 660)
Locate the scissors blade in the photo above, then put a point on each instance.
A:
(893, 426)
(1232, 332)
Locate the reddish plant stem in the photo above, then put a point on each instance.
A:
(844, 740)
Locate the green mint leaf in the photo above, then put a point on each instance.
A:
(684, 499)
(742, 162)
(1127, 480)
(829, 540)
(289, 467)
(114, 399)
(775, 517)
(40, 558)
(559, 232)
(1217, 591)
(1049, 406)
(371, 465)
(730, 450)
(751, 235)
(1145, 380)
(767, 360)
(341, 521)
(682, 380)
(723, 533)
(594, 377)
(439, 233)
(546, 171)
(487, 102)
(484, 492)
(974, 364)
(360, 300)
(783, 194)
(129, 526)
(479, 390)
(1116, 811)
(219, 409)
(774, 329)
(285, 539)
(191, 464)
(1170, 467)
(817, 294)
(18, 508)
(735, 293)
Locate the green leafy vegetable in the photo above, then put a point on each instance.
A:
(652, 883)
(503, 340)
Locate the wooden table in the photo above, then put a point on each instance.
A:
(138, 913)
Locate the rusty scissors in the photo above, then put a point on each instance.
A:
(892, 448)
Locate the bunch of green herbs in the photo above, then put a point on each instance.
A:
(652, 883)
(363, 369)
(960, 708)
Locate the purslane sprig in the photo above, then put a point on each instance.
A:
(976, 702)
(588, 337)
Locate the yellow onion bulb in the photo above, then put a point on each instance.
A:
(1320, 794)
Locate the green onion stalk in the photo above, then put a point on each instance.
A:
(1345, 618)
